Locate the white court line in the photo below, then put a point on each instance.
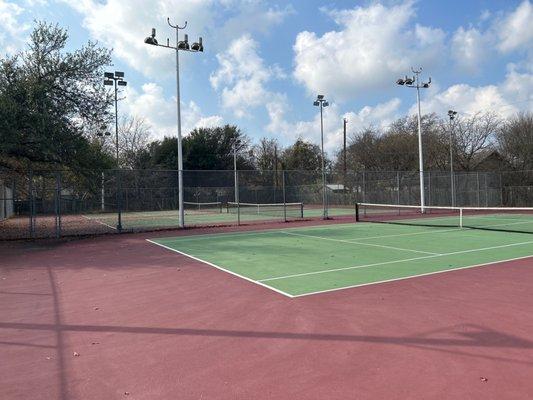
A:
(99, 222)
(325, 271)
(362, 244)
(221, 268)
(411, 276)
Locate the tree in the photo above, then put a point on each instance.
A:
(47, 96)
(473, 136)
(133, 139)
(515, 141)
(267, 154)
(302, 155)
(204, 149)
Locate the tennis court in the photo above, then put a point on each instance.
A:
(311, 260)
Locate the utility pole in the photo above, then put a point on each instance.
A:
(452, 114)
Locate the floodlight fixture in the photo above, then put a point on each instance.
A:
(452, 114)
(325, 103)
(122, 83)
(108, 82)
(151, 39)
(108, 75)
(400, 82)
(320, 97)
(119, 74)
(316, 103)
(198, 46)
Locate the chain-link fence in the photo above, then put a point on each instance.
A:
(42, 204)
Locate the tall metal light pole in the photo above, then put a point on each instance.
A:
(414, 82)
(180, 46)
(451, 115)
(345, 121)
(322, 102)
(115, 79)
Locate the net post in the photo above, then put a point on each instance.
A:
(461, 218)
(284, 198)
(357, 212)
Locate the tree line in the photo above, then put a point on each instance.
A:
(55, 113)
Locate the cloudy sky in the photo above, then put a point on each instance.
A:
(265, 61)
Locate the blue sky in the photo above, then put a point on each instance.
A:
(265, 61)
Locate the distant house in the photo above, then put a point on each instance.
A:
(491, 160)
(336, 188)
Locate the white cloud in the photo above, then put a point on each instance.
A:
(160, 111)
(373, 45)
(470, 48)
(506, 98)
(242, 76)
(516, 29)
(12, 29)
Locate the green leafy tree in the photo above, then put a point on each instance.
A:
(302, 155)
(47, 97)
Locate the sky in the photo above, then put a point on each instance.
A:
(265, 61)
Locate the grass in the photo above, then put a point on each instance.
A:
(302, 261)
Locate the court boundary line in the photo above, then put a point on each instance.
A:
(362, 244)
(222, 269)
(325, 271)
(98, 222)
(412, 276)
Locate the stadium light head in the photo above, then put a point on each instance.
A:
(198, 46)
(409, 81)
(108, 82)
(122, 83)
(452, 114)
(119, 74)
(325, 104)
(108, 75)
(151, 39)
(316, 103)
(320, 97)
(425, 85)
(400, 82)
(184, 44)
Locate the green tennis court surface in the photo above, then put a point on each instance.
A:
(301, 261)
(169, 218)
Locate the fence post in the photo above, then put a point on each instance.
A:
(478, 190)
(237, 197)
(103, 193)
(58, 204)
(501, 190)
(284, 198)
(119, 201)
(31, 204)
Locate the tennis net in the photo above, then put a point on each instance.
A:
(505, 219)
(278, 210)
(212, 207)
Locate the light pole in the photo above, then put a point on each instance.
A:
(321, 102)
(414, 82)
(102, 131)
(182, 45)
(451, 115)
(115, 79)
(345, 121)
